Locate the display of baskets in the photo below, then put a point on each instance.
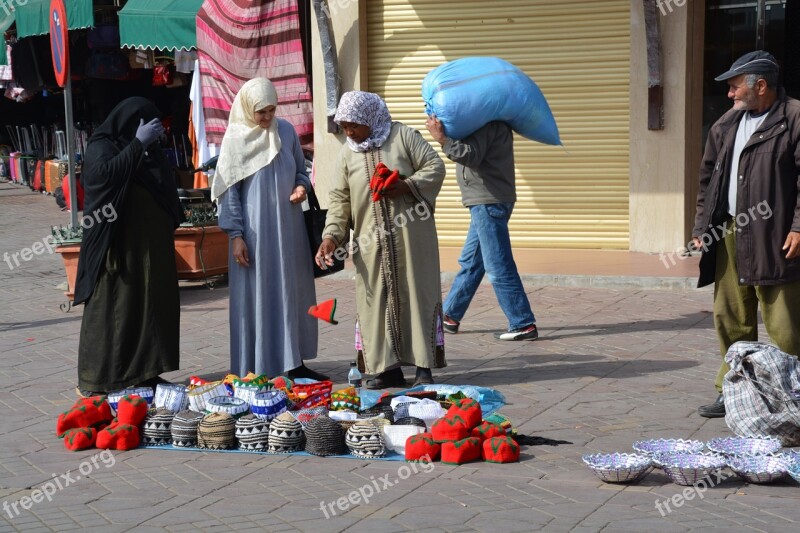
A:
(744, 445)
(654, 446)
(759, 468)
(309, 395)
(688, 468)
(618, 467)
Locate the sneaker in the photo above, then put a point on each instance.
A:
(527, 333)
(449, 325)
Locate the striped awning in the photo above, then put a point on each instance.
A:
(159, 24)
(33, 16)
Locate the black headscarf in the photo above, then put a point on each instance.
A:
(114, 158)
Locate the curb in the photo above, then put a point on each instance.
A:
(577, 281)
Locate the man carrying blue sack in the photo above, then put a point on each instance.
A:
(485, 174)
(748, 213)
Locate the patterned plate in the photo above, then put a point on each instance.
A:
(618, 467)
(759, 468)
(744, 445)
(653, 446)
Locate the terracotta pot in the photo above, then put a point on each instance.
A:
(199, 247)
(69, 254)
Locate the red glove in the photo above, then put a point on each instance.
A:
(389, 180)
(376, 182)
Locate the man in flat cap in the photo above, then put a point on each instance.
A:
(748, 213)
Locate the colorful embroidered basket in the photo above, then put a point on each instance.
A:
(308, 395)
(171, 396)
(199, 396)
(236, 407)
(345, 399)
(143, 392)
(268, 405)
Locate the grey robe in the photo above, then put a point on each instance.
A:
(271, 331)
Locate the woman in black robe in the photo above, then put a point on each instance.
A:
(127, 276)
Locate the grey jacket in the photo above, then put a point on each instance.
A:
(484, 165)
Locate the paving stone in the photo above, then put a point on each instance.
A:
(613, 365)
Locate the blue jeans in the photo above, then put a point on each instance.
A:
(488, 250)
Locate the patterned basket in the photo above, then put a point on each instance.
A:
(685, 468)
(345, 399)
(308, 395)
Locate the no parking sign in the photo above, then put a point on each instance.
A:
(59, 41)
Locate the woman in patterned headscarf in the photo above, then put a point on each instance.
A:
(384, 188)
(260, 182)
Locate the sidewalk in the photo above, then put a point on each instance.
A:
(615, 364)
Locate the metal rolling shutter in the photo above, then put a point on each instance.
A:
(578, 53)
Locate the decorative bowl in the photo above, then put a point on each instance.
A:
(792, 458)
(759, 468)
(794, 470)
(618, 467)
(744, 445)
(654, 446)
(685, 468)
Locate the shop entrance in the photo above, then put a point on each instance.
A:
(735, 27)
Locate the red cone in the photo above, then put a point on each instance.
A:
(324, 311)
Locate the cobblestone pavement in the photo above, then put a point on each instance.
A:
(612, 367)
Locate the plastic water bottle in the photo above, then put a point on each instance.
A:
(354, 378)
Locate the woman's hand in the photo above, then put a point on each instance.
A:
(324, 257)
(298, 194)
(240, 254)
(398, 188)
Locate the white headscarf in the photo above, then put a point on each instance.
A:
(367, 109)
(246, 146)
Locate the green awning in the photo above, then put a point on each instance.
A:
(159, 24)
(33, 19)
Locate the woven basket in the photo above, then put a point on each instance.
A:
(308, 395)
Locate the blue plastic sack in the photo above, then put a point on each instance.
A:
(468, 93)
(490, 399)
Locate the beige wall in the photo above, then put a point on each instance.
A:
(663, 163)
(345, 16)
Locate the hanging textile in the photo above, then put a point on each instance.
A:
(201, 150)
(238, 42)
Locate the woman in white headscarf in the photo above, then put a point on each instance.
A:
(260, 183)
(384, 188)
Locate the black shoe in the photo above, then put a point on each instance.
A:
(713, 410)
(389, 378)
(303, 371)
(83, 393)
(449, 325)
(154, 382)
(424, 377)
(528, 333)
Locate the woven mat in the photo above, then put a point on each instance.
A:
(390, 456)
